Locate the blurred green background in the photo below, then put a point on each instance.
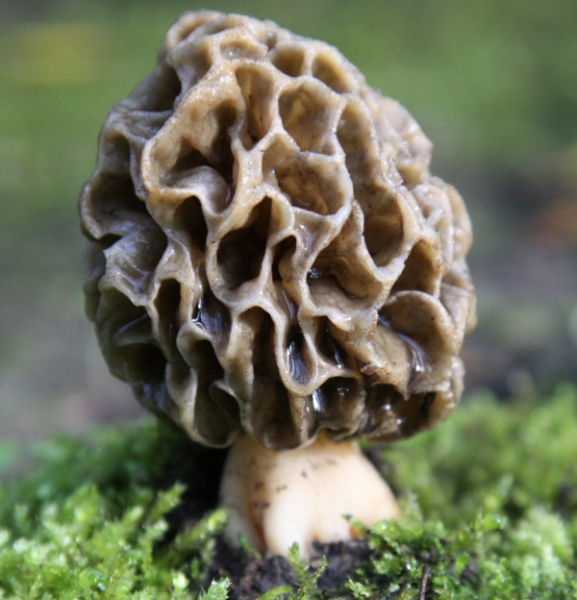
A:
(493, 84)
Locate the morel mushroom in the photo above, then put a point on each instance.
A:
(272, 266)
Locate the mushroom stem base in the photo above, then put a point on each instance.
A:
(276, 498)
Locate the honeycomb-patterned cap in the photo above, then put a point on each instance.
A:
(268, 250)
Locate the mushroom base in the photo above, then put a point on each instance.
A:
(277, 498)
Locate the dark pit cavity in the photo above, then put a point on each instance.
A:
(272, 417)
(330, 348)
(214, 415)
(413, 415)
(121, 323)
(146, 364)
(165, 92)
(167, 304)
(213, 316)
(427, 403)
(205, 362)
(189, 217)
(226, 402)
(283, 253)
(295, 355)
(111, 202)
(263, 356)
(334, 402)
(384, 234)
(270, 406)
(257, 93)
(145, 367)
(241, 251)
(221, 157)
(381, 419)
(392, 417)
(188, 159)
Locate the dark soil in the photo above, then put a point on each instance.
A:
(252, 576)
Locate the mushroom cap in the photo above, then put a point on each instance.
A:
(268, 251)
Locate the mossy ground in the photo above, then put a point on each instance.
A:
(490, 500)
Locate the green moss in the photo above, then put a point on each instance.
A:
(89, 523)
(490, 501)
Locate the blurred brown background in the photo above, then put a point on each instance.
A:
(493, 84)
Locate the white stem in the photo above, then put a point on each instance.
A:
(301, 495)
